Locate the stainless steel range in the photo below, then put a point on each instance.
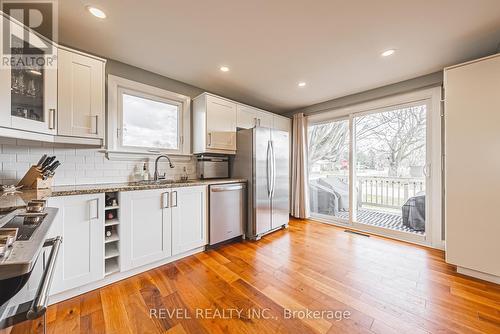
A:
(27, 262)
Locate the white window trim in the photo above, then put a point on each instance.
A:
(433, 95)
(114, 151)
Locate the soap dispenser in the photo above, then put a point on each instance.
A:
(145, 173)
(184, 176)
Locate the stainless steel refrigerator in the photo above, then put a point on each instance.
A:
(262, 157)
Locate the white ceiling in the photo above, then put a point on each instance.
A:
(271, 45)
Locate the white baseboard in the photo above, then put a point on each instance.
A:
(117, 277)
(478, 274)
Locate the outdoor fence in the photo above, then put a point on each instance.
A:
(390, 192)
(386, 192)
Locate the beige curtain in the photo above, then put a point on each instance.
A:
(300, 193)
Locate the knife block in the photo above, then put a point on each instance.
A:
(33, 179)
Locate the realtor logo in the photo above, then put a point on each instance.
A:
(28, 27)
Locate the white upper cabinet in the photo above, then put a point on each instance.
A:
(80, 95)
(59, 99)
(265, 119)
(28, 95)
(249, 117)
(246, 117)
(282, 123)
(214, 125)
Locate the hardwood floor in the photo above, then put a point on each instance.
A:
(378, 285)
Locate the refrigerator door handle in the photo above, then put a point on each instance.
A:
(268, 168)
(273, 169)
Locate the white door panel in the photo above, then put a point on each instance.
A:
(142, 226)
(189, 218)
(80, 221)
(80, 95)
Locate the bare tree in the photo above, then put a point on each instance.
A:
(389, 138)
(396, 135)
(327, 141)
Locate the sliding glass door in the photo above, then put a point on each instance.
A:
(328, 154)
(390, 152)
(370, 169)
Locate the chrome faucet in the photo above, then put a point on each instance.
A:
(156, 175)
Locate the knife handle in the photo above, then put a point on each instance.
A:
(41, 161)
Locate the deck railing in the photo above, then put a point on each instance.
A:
(387, 192)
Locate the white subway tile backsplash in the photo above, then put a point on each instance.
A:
(7, 157)
(79, 165)
(64, 151)
(7, 174)
(39, 151)
(67, 165)
(77, 159)
(15, 149)
(15, 166)
(93, 172)
(25, 158)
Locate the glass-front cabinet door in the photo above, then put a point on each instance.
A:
(33, 99)
(28, 80)
(27, 94)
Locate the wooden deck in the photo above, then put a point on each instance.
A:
(386, 286)
(382, 219)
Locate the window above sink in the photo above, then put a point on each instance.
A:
(144, 120)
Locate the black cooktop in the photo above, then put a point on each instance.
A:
(26, 225)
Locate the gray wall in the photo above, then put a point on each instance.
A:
(429, 80)
(149, 78)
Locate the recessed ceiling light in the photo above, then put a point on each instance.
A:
(96, 12)
(388, 53)
(301, 84)
(224, 69)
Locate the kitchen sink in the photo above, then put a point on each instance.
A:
(146, 182)
(167, 181)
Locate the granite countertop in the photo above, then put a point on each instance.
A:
(129, 186)
(19, 199)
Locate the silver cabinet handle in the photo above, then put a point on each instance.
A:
(39, 305)
(255, 121)
(166, 200)
(209, 139)
(172, 202)
(96, 124)
(52, 119)
(96, 212)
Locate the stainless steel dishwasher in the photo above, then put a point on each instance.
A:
(227, 211)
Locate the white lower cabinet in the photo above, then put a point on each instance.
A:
(156, 224)
(80, 222)
(189, 218)
(145, 227)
